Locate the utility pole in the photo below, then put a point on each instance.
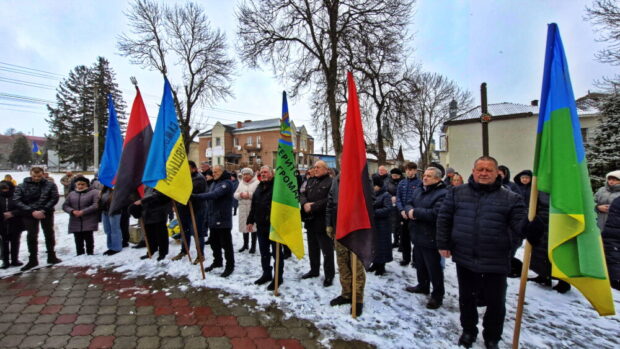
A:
(96, 134)
(485, 118)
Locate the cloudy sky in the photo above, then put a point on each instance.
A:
(498, 42)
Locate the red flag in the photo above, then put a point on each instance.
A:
(355, 223)
(135, 149)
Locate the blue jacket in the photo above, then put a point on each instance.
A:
(426, 202)
(481, 225)
(405, 190)
(220, 203)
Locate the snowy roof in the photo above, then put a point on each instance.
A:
(498, 110)
(249, 126)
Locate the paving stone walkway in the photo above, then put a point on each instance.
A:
(63, 307)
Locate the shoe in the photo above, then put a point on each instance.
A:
(328, 282)
(140, 244)
(198, 260)
(545, 281)
(467, 340)
(227, 272)
(562, 287)
(245, 247)
(380, 270)
(252, 250)
(491, 344)
(178, 257)
(373, 267)
(161, 257)
(404, 263)
(340, 300)
(213, 266)
(272, 284)
(112, 252)
(125, 244)
(358, 309)
(146, 256)
(263, 279)
(52, 259)
(31, 264)
(5, 265)
(434, 303)
(106, 252)
(615, 284)
(17, 264)
(309, 275)
(416, 289)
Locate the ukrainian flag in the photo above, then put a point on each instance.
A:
(35, 148)
(575, 245)
(166, 167)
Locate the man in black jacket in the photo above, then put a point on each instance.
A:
(479, 224)
(36, 198)
(260, 214)
(313, 202)
(153, 208)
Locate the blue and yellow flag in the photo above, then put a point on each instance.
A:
(285, 213)
(166, 167)
(560, 169)
(35, 148)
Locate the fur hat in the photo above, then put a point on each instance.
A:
(397, 171)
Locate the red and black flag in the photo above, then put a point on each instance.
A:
(135, 150)
(355, 225)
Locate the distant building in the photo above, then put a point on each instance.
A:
(512, 134)
(252, 144)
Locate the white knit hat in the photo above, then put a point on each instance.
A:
(615, 174)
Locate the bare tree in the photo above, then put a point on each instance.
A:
(430, 108)
(302, 40)
(182, 34)
(605, 15)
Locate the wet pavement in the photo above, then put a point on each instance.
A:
(68, 307)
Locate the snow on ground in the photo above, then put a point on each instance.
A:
(392, 318)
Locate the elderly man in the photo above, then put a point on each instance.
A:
(479, 224)
(204, 167)
(314, 202)
(219, 211)
(36, 198)
(422, 210)
(260, 212)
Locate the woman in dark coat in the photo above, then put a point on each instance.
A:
(391, 184)
(82, 205)
(611, 242)
(523, 180)
(384, 209)
(11, 225)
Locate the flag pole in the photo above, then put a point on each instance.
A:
(354, 286)
(198, 249)
(146, 238)
(276, 270)
(527, 256)
(176, 212)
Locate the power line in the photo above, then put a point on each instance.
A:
(25, 99)
(32, 69)
(27, 83)
(23, 111)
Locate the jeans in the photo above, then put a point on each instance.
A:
(112, 228)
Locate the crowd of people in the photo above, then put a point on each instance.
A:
(428, 217)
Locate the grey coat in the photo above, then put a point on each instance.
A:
(605, 196)
(86, 201)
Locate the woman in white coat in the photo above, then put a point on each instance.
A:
(247, 186)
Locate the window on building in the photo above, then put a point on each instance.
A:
(235, 141)
(258, 139)
(219, 160)
(218, 141)
(303, 144)
(209, 143)
(248, 140)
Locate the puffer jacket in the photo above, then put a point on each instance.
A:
(35, 196)
(8, 204)
(605, 196)
(219, 199)
(611, 240)
(86, 201)
(481, 225)
(383, 210)
(260, 208)
(245, 204)
(405, 190)
(426, 202)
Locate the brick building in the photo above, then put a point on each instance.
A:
(252, 144)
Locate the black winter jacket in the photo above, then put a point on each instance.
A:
(426, 202)
(481, 225)
(611, 240)
(155, 206)
(317, 191)
(260, 209)
(383, 210)
(220, 203)
(8, 204)
(34, 196)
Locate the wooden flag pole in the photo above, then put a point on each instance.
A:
(146, 238)
(276, 269)
(176, 212)
(527, 256)
(198, 247)
(354, 286)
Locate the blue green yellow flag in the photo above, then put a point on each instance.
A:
(285, 213)
(166, 167)
(575, 244)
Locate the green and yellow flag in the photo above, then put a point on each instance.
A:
(285, 213)
(575, 244)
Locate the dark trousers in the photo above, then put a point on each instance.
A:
(157, 234)
(319, 243)
(405, 241)
(32, 237)
(84, 238)
(493, 288)
(188, 230)
(429, 271)
(222, 239)
(10, 246)
(267, 250)
(125, 225)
